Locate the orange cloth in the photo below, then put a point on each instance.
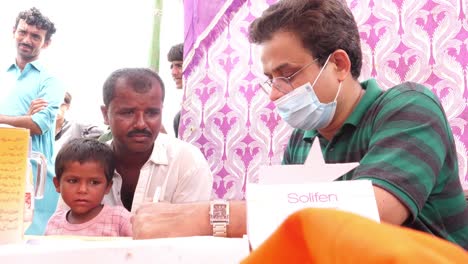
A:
(316, 235)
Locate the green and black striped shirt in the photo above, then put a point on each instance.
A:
(404, 144)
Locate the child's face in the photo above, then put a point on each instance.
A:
(83, 186)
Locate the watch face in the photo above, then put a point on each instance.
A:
(220, 212)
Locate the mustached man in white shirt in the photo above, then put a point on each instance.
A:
(147, 160)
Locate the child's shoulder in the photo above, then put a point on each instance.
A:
(56, 221)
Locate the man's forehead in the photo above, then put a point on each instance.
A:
(124, 90)
(273, 63)
(281, 52)
(142, 103)
(32, 28)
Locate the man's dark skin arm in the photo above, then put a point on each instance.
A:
(21, 121)
(26, 120)
(158, 220)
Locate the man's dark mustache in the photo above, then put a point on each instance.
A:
(26, 45)
(143, 132)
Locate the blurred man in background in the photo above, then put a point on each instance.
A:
(26, 80)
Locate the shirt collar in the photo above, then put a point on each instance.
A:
(160, 150)
(373, 91)
(35, 64)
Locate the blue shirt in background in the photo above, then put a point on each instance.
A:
(17, 90)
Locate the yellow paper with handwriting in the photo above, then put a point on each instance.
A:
(13, 160)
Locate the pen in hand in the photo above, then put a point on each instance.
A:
(157, 193)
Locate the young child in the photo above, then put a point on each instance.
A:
(83, 175)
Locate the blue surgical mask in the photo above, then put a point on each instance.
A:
(302, 109)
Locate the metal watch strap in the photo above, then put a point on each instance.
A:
(219, 217)
(220, 229)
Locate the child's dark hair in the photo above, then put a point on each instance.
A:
(85, 150)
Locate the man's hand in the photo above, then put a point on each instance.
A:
(36, 106)
(160, 220)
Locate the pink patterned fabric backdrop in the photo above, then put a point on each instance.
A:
(236, 127)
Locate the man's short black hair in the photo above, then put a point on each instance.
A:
(140, 80)
(34, 17)
(176, 53)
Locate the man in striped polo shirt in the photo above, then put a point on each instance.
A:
(400, 136)
(312, 57)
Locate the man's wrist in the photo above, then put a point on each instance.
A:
(219, 217)
(201, 216)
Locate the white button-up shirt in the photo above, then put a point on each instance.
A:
(177, 167)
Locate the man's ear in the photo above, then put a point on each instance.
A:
(342, 64)
(46, 44)
(56, 184)
(104, 114)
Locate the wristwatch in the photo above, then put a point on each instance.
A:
(219, 217)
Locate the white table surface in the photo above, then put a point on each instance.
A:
(168, 250)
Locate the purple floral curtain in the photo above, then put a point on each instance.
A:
(235, 125)
(204, 22)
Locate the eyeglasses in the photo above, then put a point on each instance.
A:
(282, 84)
